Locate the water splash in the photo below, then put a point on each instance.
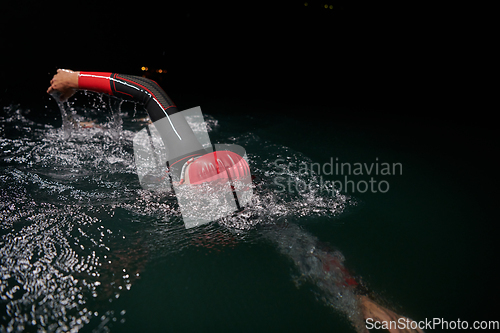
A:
(58, 260)
(71, 210)
(67, 121)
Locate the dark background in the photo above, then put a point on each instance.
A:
(398, 60)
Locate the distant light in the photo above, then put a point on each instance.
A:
(306, 4)
(143, 68)
(331, 6)
(326, 6)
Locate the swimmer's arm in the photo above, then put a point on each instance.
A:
(374, 312)
(66, 82)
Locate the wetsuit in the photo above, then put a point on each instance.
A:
(174, 130)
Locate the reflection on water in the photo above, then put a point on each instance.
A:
(77, 229)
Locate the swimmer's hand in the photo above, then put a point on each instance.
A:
(374, 312)
(66, 82)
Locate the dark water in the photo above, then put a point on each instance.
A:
(84, 248)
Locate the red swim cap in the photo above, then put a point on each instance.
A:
(217, 166)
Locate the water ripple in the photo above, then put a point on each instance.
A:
(76, 228)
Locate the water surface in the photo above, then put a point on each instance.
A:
(84, 247)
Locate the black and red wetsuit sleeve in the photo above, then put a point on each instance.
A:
(95, 81)
(144, 90)
(174, 130)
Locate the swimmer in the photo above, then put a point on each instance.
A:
(173, 128)
(189, 162)
(188, 165)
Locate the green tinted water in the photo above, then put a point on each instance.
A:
(89, 249)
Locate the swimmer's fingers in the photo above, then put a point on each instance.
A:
(65, 81)
(53, 85)
(63, 85)
(65, 93)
